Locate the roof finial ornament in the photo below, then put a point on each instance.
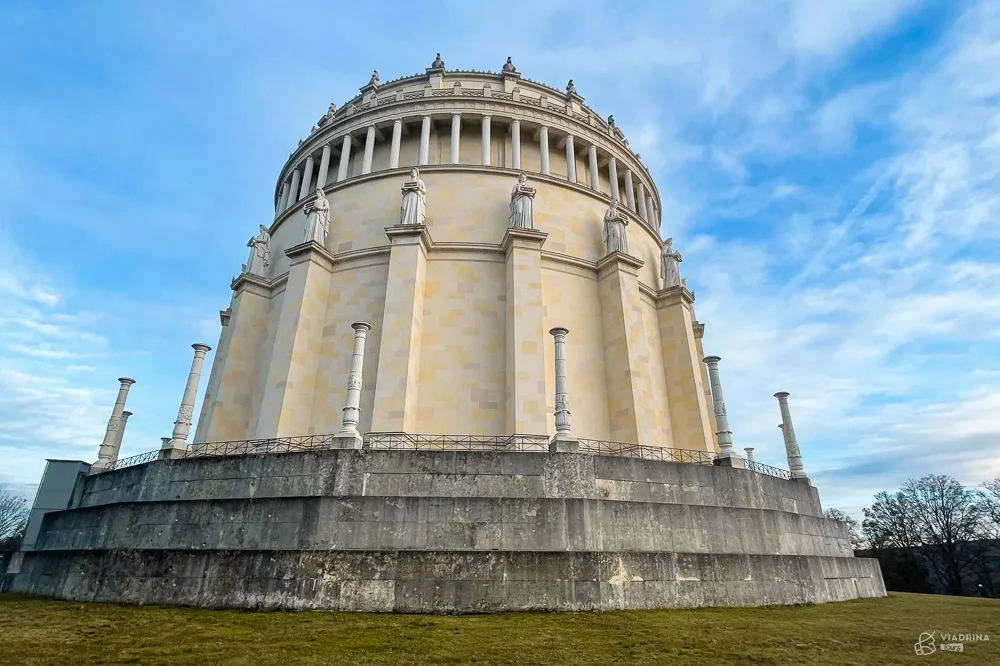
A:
(570, 88)
(374, 80)
(438, 63)
(509, 66)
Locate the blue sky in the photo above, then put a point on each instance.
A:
(828, 169)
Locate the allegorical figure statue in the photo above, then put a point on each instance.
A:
(669, 269)
(414, 208)
(614, 229)
(260, 252)
(522, 204)
(318, 222)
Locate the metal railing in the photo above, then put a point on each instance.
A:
(256, 446)
(761, 468)
(389, 441)
(601, 448)
(138, 459)
(402, 440)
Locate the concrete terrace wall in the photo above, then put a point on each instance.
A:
(451, 531)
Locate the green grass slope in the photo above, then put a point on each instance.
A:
(870, 631)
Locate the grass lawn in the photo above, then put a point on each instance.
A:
(870, 631)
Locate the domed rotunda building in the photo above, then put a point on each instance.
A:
(460, 372)
(461, 302)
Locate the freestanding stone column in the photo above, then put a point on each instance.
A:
(108, 452)
(724, 434)
(613, 177)
(121, 433)
(570, 159)
(307, 173)
(366, 161)
(345, 158)
(324, 167)
(485, 160)
(349, 437)
(456, 137)
(749, 452)
(293, 194)
(425, 141)
(630, 191)
(397, 132)
(563, 442)
(182, 426)
(543, 147)
(594, 176)
(788, 434)
(283, 202)
(515, 145)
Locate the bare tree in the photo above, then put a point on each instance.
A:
(852, 526)
(890, 522)
(13, 512)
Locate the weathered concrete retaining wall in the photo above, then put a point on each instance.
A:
(438, 581)
(449, 474)
(442, 531)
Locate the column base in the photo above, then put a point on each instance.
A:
(564, 444)
(730, 461)
(173, 451)
(347, 440)
(802, 479)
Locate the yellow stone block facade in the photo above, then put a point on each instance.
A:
(461, 306)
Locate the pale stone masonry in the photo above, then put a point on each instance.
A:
(460, 306)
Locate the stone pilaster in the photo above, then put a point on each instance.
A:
(626, 352)
(525, 329)
(699, 336)
(690, 419)
(230, 397)
(108, 452)
(396, 389)
(286, 405)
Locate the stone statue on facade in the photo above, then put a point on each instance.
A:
(614, 229)
(522, 204)
(260, 253)
(611, 122)
(509, 66)
(438, 63)
(318, 220)
(374, 80)
(570, 88)
(414, 208)
(328, 116)
(669, 269)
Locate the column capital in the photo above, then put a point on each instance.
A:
(128, 381)
(310, 251)
(201, 347)
(558, 331)
(711, 359)
(410, 234)
(673, 295)
(529, 239)
(782, 395)
(251, 283)
(618, 261)
(361, 326)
